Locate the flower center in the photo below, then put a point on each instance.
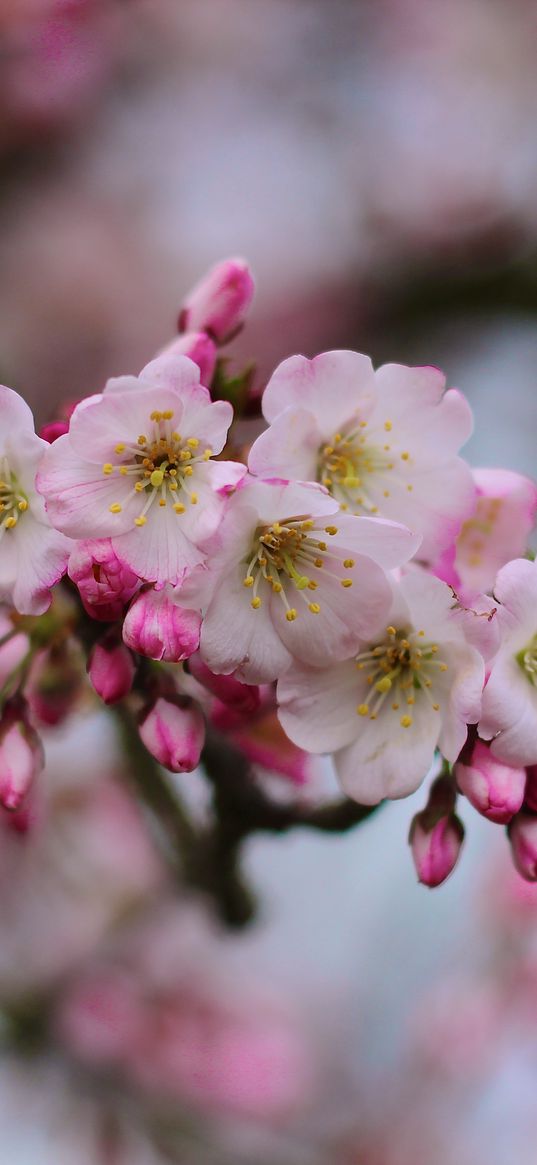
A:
(351, 461)
(527, 658)
(290, 554)
(161, 464)
(13, 500)
(402, 667)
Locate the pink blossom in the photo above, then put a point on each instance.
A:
(173, 731)
(199, 347)
(105, 584)
(111, 670)
(523, 839)
(414, 686)
(383, 442)
(219, 302)
(54, 684)
(509, 716)
(21, 755)
(34, 555)
(125, 471)
(494, 789)
(157, 626)
(294, 578)
(497, 531)
(436, 851)
(101, 1017)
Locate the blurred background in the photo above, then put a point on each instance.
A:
(376, 163)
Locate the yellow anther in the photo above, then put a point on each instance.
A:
(410, 488)
(207, 453)
(256, 603)
(162, 501)
(193, 499)
(142, 440)
(123, 470)
(374, 509)
(276, 528)
(348, 563)
(108, 468)
(443, 667)
(307, 525)
(434, 648)
(10, 522)
(386, 493)
(318, 562)
(405, 456)
(23, 505)
(328, 450)
(387, 448)
(141, 521)
(363, 424)
(410, 700)
(176, 436)
(312, 585)
(193, 442)
(422, 633)
(391, 631)
(405, 721)
(322, 546)
(115, 508)
(185, 455)
(346, 582)
(277, 587)
(120, 448)
(363, 709)
(157, 477)
(436, 707)
(167, 416)
(172, 485)
(248, 581)
(139, 487)
(395, 707)
(290, 615)
(314, 608)
(337, 438)
(388, 426)
(331, 529)
(384, 684)
(188, 471)
(172, 473)
(179, 508)
(155, 415)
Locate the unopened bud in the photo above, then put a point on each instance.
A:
(104, 582)
(111, 670)
(156, 626)
(436, 835)
(54, 684)
(522, 832)
(52, 430)
(21, 755)
(218, 304)
(173, 731)
(495, 790)
(245, 698)
(200, 348)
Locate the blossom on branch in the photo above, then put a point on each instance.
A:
(383, 442)
(136, 467)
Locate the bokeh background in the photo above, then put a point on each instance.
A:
(376, 163)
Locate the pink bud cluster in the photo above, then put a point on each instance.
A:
(350, 586)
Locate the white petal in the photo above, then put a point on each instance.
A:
(237, 638)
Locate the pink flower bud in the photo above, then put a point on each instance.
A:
(494, 789)
(111, 670)
(104, 582)
(523, 838)
(199, 347)
(21, 755)
(219, 302)
(54, 684)
(173, 731)
(435, 846)
(245, 698)
(155, 625)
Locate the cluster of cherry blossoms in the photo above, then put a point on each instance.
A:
(343, 584)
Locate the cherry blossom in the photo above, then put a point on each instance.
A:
(383, 442)
(291, 577)
(33, 555)
(509, 717)
(124, 470)
(497, 531)
(412, 687)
